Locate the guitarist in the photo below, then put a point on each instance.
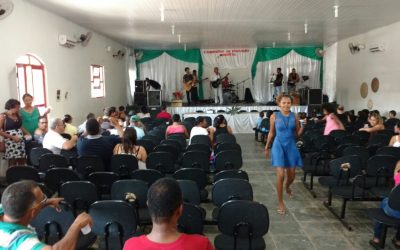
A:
(216, 78)
(188, 83)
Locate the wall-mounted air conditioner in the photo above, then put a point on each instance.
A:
(377, 48)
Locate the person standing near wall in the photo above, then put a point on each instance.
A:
(285, 156)
(188, 84)
(30, 114)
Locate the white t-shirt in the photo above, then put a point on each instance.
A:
(214, 77)
(197, 131)
(53, 141)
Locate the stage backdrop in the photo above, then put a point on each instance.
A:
(267, 60)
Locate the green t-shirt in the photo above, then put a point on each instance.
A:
(17, 237)
(30, 120)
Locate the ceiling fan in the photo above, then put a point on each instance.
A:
(138, 55)
(319, 52)
(6, 7)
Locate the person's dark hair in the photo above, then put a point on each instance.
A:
(26, 95)
(17, 198)
(108, 111)
(144, 109)
(121, 108)
(280, 69)
(194, 72)
(92, 127)
(261, 114)
(269, 113)
(218, 120)
(392, 112)
(163, 106)
(186, 68)
(329, 107)
(283, 95)
(90, 116)
(163, 199)
(129, 140)
(398, 124)
(199, 120)
(176, 118)
(67, 118)
(42, 117)
(12, 103)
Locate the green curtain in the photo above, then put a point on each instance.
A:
(191, 55)
(269, 54)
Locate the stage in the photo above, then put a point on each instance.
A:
(242, 122)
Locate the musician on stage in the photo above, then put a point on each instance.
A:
(188, 83)
(193, 91)
(278, 82)
(293, 78)
(215, 77)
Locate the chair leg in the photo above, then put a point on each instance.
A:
(343, 211)
(382, 239)
(330, 198)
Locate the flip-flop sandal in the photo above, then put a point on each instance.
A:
(395, 244)
(281, 211)
(375, 244)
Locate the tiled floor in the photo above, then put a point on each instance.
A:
(307, 223)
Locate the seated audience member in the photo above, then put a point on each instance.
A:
(136, 124)
(121, 113)
(376, 124)
(395, 140)
(259, 120)
(221, 126)
(201, 128)
(96, 144)
(342, 115)
(129, 146)
(69, 128)
(21, 202)
(82, 127)
(41, 131)
(164, 114)
(53, 139)
(390, 212)
(111, 114)
(144, 112)
(176, 127)
(392, 121)
(332, 121)
(165, 203)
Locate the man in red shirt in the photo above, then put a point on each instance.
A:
(164, 200)
(164, 114)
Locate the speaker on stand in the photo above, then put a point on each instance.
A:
(314, 100)
(154, 98)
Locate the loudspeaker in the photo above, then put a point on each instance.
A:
(248, 97)
(139, 86)
(154, 98)
(314, 96)
(139, 99)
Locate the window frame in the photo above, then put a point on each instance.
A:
(101, 81)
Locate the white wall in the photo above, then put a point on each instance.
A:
(30, 29)
(329, 71)
(352, 70)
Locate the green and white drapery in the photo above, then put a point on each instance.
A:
(168, 67)
(303, 59)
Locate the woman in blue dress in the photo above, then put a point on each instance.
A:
(285, 156)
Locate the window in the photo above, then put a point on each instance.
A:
(31, 79)
(97, 87)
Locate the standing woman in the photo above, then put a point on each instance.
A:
(285, 126)
(12, 131)
(30, 114)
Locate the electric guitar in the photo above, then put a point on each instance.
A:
(188, 86)
(217, 82)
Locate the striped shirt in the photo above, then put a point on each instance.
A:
(18, 237)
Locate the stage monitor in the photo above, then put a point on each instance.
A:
(139, 99)
(139, 86)
(314, 96)
(154, 98)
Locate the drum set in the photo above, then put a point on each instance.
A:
(229, 94)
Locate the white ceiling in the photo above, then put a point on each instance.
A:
(225, 23)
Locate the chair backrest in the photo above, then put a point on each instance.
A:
(349, 139)
(362, 152)
(394, 198)
(36, 153)
(228, 146)
(381, 165)
(48, 161)
(209, 120)
(188, 126)
(231, 189)
(121, 188)
(345, 167)
(199, 147)
(161, 161)
(201, 139)
(192, 120)
(388, 132)
(190, 191)
(19, 173)
(191, 220)
(155, 139)
(229, 159)
(86, 165)
(235, 174)
(147, 144)
(174, 143)
(196, 159)
(55, 177)
(113, 218)
(103, 181)
(380, 140)
(180, 138)
(337, 134)
(147, 175)
(124, 164)
(221, 138)
(363, 135)
(264, 126)
(194, 174)
(79, 194)
(243, 219)
(168, 148)
(393, 151)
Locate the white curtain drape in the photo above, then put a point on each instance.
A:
(228, 58)
(263, 91)
(168, 71)
(330, 65)
(131, 65)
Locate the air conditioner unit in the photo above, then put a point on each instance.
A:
(63, 41)
(377, 48)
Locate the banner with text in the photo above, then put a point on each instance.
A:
(228, 58)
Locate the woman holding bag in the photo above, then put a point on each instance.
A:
(13, 133)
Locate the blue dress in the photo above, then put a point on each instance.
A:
(284, 151)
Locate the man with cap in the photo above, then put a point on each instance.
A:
(135, 123)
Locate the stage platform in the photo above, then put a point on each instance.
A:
(243, 122)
